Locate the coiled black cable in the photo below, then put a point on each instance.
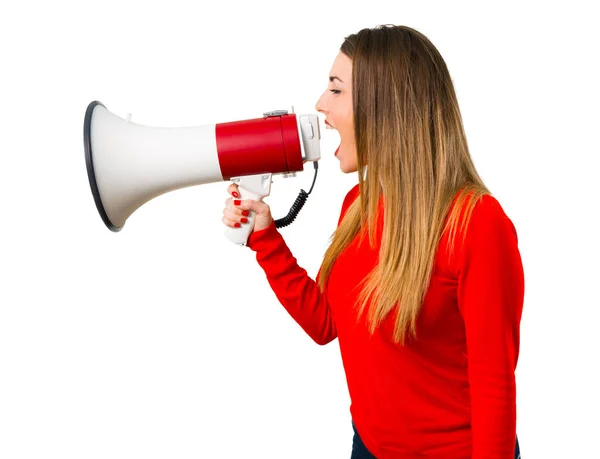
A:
(298, 203)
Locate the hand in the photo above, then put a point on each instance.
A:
(232, 214)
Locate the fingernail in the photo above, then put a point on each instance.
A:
(245, 213)
(237, 225)
(235, 194)
(244, 220)
(236, 202)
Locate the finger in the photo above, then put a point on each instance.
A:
(236, 217)
(230, 205)
(233, 190)
(229, 222)
(234, 211)
(251, 205)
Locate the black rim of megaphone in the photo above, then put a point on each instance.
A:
(87, 142)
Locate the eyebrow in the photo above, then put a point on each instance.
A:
(331, 78)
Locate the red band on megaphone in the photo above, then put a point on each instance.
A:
(259, 145)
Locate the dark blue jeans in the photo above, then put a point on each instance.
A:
(360, 451)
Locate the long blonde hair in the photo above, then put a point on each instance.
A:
(408, 130)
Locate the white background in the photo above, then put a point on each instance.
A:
(165, 340)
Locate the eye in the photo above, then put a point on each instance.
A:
(335, 91)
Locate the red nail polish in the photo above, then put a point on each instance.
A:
(237, 225)
(244, 220)
(235, 194)
(245, 213)
(236, 202)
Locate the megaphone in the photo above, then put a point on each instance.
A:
(129, 164)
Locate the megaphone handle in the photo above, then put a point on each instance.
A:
(254, 187)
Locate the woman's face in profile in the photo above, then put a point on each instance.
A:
(336, 104)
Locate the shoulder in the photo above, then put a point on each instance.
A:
(351, 196)
(353, 193)
(488, 220)
(348, 199)
(488, 208)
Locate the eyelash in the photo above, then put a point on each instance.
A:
(335, 91)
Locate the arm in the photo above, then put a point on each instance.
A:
(490, 299)
(296, 291)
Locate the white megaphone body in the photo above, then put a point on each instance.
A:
(129, 164)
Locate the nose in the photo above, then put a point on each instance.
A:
(319, 105)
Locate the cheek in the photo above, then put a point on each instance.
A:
(348, 133)
(349, 125)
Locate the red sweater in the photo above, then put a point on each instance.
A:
(451, 393)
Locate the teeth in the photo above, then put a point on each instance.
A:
(327, 126)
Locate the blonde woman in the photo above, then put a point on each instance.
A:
(423, 282)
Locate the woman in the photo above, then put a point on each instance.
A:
(433, 377)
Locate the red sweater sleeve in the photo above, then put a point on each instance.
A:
(297, 292)
(490, 298)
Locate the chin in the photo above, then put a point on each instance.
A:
(348, 170)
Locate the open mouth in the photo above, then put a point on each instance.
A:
(330, 127)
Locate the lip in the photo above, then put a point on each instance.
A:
(326, 122)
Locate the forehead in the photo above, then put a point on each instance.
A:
(342, 68)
